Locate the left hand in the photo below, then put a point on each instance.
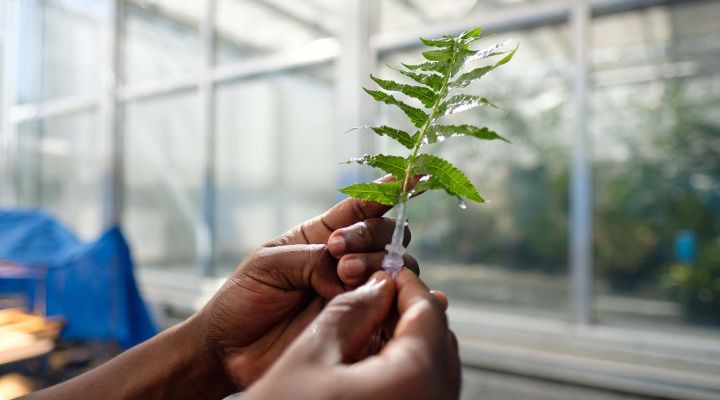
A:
(281, 287)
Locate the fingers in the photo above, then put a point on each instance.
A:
(453, 371)
(348, 322)
(364, 236)
(421, 314)
(295, 267)
(412, 363)
(354, 269)
(441, 297)
(344, 213)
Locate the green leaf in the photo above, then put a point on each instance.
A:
(426, 183)
(489, 52)
(508, 57)
(387, 193)
(431, 80)
(401, 137)
(468, 77)
(452, 179)
(435, 66)
(416, 115)
(444, 41)
(461, 58)
(443, 55)
(471, 34)
(394, 165)
(426, 96)
(462, 102)
(438, 133)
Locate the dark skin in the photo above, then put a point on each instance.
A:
(419, 362)
(273, 295)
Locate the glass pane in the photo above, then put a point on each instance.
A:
(72, 51)
(161, 39)
(28, 34)
(163, 175)
(248, 28)
(60, 169)
(27, 164)
(510, 252)
(276, 159)
(399, 15)
(657, 164)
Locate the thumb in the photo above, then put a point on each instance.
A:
(348, 322)
(296, 267)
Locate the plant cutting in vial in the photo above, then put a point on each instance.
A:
(440, 80)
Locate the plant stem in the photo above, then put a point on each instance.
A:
(393, 261)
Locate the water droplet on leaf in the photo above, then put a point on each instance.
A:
(461, 203)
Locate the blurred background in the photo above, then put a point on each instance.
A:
(202, 128)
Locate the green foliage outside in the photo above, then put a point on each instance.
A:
(671, 183)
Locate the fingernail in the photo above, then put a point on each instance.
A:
(354, 268)
(336, 244)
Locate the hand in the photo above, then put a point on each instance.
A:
(280, 288)
(267, 302)
(419, 362)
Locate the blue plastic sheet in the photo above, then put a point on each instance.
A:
(90, 285)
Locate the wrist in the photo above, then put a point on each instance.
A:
(200, 365)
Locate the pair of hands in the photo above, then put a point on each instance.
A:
(286, 322)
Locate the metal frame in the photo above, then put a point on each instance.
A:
(355, 63)
(581, 179)
(355, 51)
(109, 109)
(205, 231)
(11, 27)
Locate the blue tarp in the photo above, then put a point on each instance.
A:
(90, 285)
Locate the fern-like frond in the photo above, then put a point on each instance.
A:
(437, 81)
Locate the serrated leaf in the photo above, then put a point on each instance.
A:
(489, 52)
(438, 133)
(460, 103)
(426, 96)
(440, 42)
(443, 55)
(401, 137)
(426, 183)
(508, 57)
(468, 77)
(387, 193)
(416, 115)
(475, 33)
(452, 179)
(461, 58)
(431, 80)
(394, 165)
(435, 66)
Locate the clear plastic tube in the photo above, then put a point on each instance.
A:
(393, 260)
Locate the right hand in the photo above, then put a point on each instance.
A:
(419, 362)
